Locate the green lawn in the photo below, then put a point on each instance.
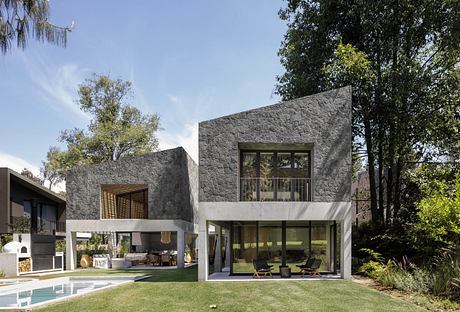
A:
(177, 290)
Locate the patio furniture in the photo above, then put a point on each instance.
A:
(165, 258)
(102, 261)
(120, 263)
(307, 264)
(313, 269)
(136, 257)
(153, 259)
(261, 267)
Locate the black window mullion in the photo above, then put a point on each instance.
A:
(309, 239)
(258, 176)
(257, 240)
(242, 183)
(275, 176)
(283, 243)
(292, 178)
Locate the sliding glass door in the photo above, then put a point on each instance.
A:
(283, 242)
(297, 243)
(270, 243)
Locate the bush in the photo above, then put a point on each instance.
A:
(441, 279)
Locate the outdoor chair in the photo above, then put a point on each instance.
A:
(261, 267)
(313, 269)
(307, 264)
(165, 258)
(153, 259)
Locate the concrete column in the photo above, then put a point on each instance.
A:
(345, 252)
(71, 250)
(218, 252)
(180, 248)
(202, 250)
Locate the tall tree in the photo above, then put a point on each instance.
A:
(51, 169)
(20, 19)
(116, 129)
(29, 174)
(401, 58)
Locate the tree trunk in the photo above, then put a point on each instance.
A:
(397, 199)
(371, 163)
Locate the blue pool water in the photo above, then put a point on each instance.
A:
(40, 292)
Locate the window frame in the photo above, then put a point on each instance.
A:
(275, 167)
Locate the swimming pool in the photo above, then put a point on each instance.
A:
(39, 292)
(13, 281)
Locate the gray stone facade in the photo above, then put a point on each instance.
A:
(321, 121)
(171, 177)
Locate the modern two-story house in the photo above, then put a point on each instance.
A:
(148, 202)
(275, 184)
(36, 218)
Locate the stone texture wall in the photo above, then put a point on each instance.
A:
(170, 176)
(323, 120)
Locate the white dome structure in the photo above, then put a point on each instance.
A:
(15, 247)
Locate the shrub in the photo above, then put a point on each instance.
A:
(441, 279)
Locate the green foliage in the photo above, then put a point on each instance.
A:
(439, 212)
(20, 225)
(20, 19)
(439, 278)
(52, 170)
(60, 245)
(403, 63)
(5, 239)
(116, 129)
(2, 273)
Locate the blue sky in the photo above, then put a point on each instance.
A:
(188, 60)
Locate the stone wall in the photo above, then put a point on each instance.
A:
(321, 121)
(169, 175)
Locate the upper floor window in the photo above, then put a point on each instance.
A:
(275, 176)
(124, 201)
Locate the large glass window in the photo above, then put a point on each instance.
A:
(270, 243)
(275, 176)
(244, 246)
(291, 243)
(297, 243)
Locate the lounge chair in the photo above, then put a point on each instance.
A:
(261, 267)
(313, 269)
(307, 264)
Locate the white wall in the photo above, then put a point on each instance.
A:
(9, 264)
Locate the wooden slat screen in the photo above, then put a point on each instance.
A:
(117, 205)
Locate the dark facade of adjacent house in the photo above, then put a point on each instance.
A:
(31, 209)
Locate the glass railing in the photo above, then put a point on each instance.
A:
(275, 189)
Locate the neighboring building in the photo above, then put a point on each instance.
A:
(148, 202)
(275, 183)
(36, 216)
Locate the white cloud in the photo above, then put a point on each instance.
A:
(187, 138)
(174, 99)
(57, 84)
(18, 164)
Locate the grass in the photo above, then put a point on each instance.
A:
(177, 290)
